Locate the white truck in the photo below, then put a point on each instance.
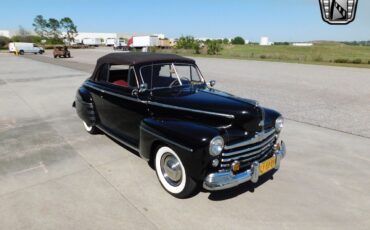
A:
(92, 41)
(111, 41)
(25, 47)
(144, 41)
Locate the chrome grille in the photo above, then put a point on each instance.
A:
(257, 148)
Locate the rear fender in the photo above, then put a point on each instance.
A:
(85, 106)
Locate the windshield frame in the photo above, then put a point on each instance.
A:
(172, 64)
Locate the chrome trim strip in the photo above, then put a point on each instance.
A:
(265, 142)
(191, 110)
(114, 94)
(257, 138)
(247, 155)
(118, 139)
(167, 140)
(226, 179)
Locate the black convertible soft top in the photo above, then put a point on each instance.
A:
(140, 58)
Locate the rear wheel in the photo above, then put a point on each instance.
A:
(90, 129)
(172, 174)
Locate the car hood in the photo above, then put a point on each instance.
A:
(212, 105)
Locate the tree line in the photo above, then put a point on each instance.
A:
(51, 29)
(211, 47)
(48, 31)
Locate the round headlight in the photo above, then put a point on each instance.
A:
(279, 124)
(216, 146)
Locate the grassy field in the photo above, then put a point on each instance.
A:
(321, 53)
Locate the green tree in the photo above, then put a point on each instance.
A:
(54, 27)
(238, 41)
(225, 41)
(197, 47)
(188, 42)
(214, 47)
(23, 32)
(4, 41)
(185, 42)
(40, 26)
(69, 27)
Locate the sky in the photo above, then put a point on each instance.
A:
(280, 20)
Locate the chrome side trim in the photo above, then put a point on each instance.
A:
(247, 155)
(249, 149)
(118, 139)
(167, 140)
(191, 110)
(114, 94)
(257, 138)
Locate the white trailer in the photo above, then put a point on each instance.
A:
(25, 47)
(111, 41)
(91, 41)
(144, 41)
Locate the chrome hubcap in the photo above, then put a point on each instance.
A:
(171, 169)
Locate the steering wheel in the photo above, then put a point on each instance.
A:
(177, 81)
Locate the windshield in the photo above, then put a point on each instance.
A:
(170, 75)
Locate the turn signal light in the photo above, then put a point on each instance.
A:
(235, 166)
(277, 147)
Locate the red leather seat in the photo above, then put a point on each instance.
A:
(121, 83)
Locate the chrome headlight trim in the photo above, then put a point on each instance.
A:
(279, 124)
(216, 146)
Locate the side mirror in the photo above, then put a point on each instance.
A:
(143, 87)
(212, 83)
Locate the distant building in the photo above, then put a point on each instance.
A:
(102, 36)
(305, 44)
(265, 41)
(160, 36)
(5, 33)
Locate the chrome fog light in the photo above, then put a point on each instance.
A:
(279, 124)
(216, 146)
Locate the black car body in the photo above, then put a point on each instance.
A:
(160, 106)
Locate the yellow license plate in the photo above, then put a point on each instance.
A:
(267, 165)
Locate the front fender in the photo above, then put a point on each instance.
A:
(189, 140)
(270, 118)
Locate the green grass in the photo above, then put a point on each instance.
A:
(327, 53)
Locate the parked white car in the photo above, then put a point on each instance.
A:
(25, 47)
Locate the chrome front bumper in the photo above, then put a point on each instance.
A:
(223, 180)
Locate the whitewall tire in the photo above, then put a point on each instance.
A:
(172, 174)
(90, 129)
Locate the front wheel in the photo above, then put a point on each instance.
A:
(90, 129)
(172, 174)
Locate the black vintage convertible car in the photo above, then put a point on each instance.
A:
(160, 106)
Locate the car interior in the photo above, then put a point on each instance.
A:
(118, 75)
(159, 76)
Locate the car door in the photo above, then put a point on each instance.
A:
(121, 111)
